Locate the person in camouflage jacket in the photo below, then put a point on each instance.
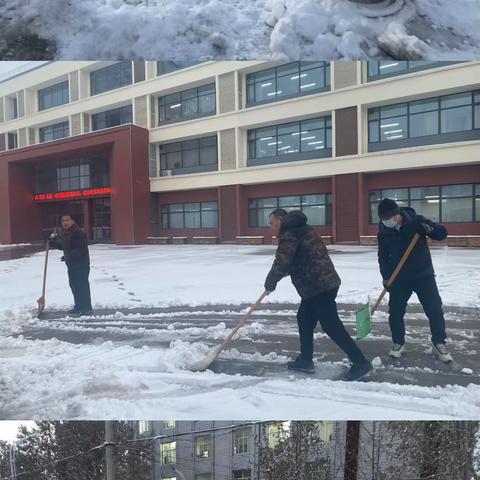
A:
(302, 254)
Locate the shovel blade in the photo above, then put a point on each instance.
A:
(203, 364)
(363, 320)
(41, 306)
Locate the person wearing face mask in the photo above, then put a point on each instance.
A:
(397, 228)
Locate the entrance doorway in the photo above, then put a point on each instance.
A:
(100, 220)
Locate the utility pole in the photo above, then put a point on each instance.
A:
(352, 446)
(109, 450)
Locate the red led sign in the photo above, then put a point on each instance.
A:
(91, 192)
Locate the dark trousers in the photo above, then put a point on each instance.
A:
(323, 308)
(78, 280)
(427, 292)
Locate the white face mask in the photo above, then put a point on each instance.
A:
(390, 223)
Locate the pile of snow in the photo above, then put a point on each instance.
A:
(250, 29)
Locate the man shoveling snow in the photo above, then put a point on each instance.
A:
(396, 230)
(302, 254)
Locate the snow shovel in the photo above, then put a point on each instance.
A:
(41, 300)
(363, 317)
(202, 365)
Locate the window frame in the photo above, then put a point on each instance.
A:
(328, 206)
(43, 93)
(431, 139)
(126, 117)
(109, 72)
(182, 148)
(242, 436)
(65, 126)
(326, 152)
(250, 80)
(166, 452)
(441, 198)
(165, 211)
(163, 102)
(409, 69)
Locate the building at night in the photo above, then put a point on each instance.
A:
(201, 153)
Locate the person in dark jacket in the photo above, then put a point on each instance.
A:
(302, 254)
(74, 244)
(396, 230)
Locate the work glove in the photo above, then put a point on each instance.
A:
(425, 229)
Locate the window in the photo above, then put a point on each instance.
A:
(445, 203)
(54, 132)
(317, 208)
(203, 447)
(15, 107)
(193, 103)
(189, 156)
(169, 478)
(169, 424)
(190, 215)
(242, 441)
(111, 77)
(168, 453)
(12, 141)
(393, 68)
(53, 96)
(325, 430)
(75, 174)
(287, 81)
(245, 474)
(277, 433)
(112, 118)
(164, 67)
(290, 141)
(414, 123)
(144, 426)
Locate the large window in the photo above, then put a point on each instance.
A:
(12, 140)
(54, 132)
(112, 118)
(445, 203)
(433, 120)
(76, 174)
(392, 68)
(317, 208)
(242, 441)
(169, 424)
(203, 447)
(245, 474)
(168, 453)
(193, 103)
(287, 81)
(144, 426)
(198, 155)
(53, 96)
(111, 77)
(190, 215)
(290, 141)
(277, 432)
(167, 66)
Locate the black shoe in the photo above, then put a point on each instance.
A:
(358, 370)
(86, 312)
(301, 365)
(73, 310)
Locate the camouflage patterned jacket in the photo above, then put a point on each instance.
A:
(302, 255)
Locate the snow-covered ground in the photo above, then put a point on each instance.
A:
(252, 29)
(109, 366)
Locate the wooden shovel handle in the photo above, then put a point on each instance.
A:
(395, 273)
(45, 269)
(243, 321)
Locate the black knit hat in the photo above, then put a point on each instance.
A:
(387, 208)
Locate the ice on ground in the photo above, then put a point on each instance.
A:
(251, 29)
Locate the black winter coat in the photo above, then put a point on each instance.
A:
(74, 244)
(302, 254)
(392, 244)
